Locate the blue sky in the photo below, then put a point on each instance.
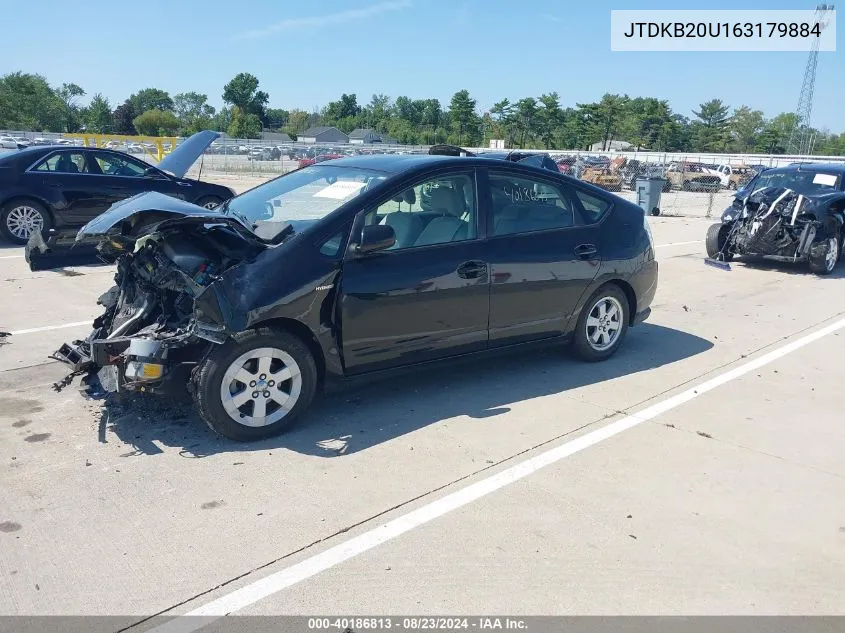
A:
(307, 53)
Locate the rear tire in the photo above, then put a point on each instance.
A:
(20, 218)
(219, 376)
(602, 324)
(715, 242)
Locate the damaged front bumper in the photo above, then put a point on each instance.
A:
(138, 363)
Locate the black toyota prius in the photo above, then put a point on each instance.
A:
(355, 266)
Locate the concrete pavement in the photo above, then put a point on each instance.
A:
(734, 508)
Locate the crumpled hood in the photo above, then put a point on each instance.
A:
(147, 209)
(179, 161)
(819, 205)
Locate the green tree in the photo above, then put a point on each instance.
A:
(527, 117)
(122, 119)
(156, 123)
(345, 107)
(744, 126)
(409, 110)
(550, 118)
(193, 112)
(276, 118)
(376, 114)
(28, 103)
(603, 120)
(501, 114)
(242, 92)
(297, 122)
(644, 121)
(711, 131)
(431, 113)
(464, 119)
(222, 120)
(151, 99)
(403, 131)
(69, 94)
(244, 124)
(97, 116)
(775, 133)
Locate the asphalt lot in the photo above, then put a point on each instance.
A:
(699, 471)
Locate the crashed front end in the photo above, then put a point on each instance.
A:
(783, 224)
(153, 330)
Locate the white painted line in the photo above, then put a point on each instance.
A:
(47, 328)
(11, 256)
(264, 587)
(679, 243)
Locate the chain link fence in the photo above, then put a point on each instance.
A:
(696, 184)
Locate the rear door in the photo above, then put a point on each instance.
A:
(545, 248)
(428, 296)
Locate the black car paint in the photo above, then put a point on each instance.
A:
(819, 203)
(366, 313)
(72, 199)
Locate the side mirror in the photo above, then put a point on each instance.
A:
(377, 237)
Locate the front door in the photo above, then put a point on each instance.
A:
(427, 297)
(544, 251)
(120, 177)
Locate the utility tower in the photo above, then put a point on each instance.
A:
(799, 137)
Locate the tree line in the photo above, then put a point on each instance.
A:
(29, 102)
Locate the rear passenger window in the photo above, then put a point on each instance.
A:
(525, 205)
(594, 207)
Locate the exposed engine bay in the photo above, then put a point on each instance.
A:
(783, 224)
(149, 328)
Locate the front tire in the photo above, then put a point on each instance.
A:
(19, 219)
(824, 255)
(209, 202)
(715, 242)
(602, 324)
(256, 385)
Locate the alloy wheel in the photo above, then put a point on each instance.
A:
(832, 255)
(211, 204)
(604, 323)
(23, 220)
(261, 386)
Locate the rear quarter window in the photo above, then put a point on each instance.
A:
(594, 207)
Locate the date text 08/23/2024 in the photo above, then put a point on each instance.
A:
(421, 623)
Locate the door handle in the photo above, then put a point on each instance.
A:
(586, 251)
(472, 270)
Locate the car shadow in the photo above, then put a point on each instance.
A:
(358, 416)
(790, 268)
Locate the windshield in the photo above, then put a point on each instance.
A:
(300, 198)
(804, 182)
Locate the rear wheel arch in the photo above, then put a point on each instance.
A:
(630, 295)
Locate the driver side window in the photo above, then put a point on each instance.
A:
(437, 210)
(114, 165)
